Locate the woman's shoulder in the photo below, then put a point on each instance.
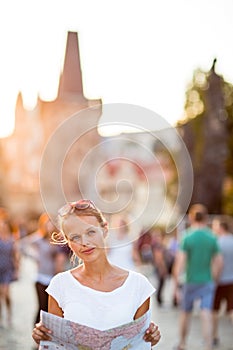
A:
(137, 276)
(61, 276)
(141, 282)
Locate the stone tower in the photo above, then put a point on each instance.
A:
(23, 152)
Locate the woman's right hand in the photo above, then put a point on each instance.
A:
(40, 332)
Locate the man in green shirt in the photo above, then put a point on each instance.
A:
(200, 257)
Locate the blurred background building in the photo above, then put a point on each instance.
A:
(207, 132)
(21, 153)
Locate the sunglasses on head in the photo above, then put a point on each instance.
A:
(70, 207)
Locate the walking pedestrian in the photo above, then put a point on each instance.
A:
(9, 265)
(143, 249)
(173, 248)
(224, 290)
(50, 259)
(163, 261)
(199, 252)
(95, 288)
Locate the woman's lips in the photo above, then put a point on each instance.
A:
(88, 251)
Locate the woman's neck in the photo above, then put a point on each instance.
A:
(98, 269)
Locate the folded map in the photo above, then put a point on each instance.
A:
(67, 335)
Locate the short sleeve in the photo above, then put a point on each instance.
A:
(183, 245)
(144, 290)
(54, 289)
(216, 246)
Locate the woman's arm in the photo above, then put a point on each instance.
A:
(54, 308)
(152, 333)
(40, 332)
(142, 309)
(16, 260)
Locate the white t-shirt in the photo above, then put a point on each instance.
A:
(97, 309)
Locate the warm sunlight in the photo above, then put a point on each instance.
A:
(148, 65)
(7, 117)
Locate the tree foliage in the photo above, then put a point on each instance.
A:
(207, 131)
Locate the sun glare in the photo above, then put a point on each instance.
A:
(127, 64)
(7, 118)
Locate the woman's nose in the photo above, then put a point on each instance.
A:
(84, 240)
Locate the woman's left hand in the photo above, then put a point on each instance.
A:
(152, 334)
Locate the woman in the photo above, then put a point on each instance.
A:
(50, 259)
(95, 287)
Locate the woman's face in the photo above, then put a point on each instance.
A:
(85, 236)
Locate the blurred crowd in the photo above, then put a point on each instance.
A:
(17, 241)
(198, 260)
(168, 256)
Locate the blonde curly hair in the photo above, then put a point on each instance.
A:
(83, 207)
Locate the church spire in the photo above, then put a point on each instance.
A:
(71, 77)
(213, 65)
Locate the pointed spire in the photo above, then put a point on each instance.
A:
(19, 99)
(71, 77)
(213, 65)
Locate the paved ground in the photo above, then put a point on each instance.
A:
(18, 337)
(168, 320)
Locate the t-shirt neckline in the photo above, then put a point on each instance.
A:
(99, 291)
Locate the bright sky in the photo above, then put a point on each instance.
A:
(140, 52)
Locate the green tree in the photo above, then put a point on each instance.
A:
(207, 131)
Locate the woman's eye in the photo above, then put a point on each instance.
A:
(75, 238)
(91, 233)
